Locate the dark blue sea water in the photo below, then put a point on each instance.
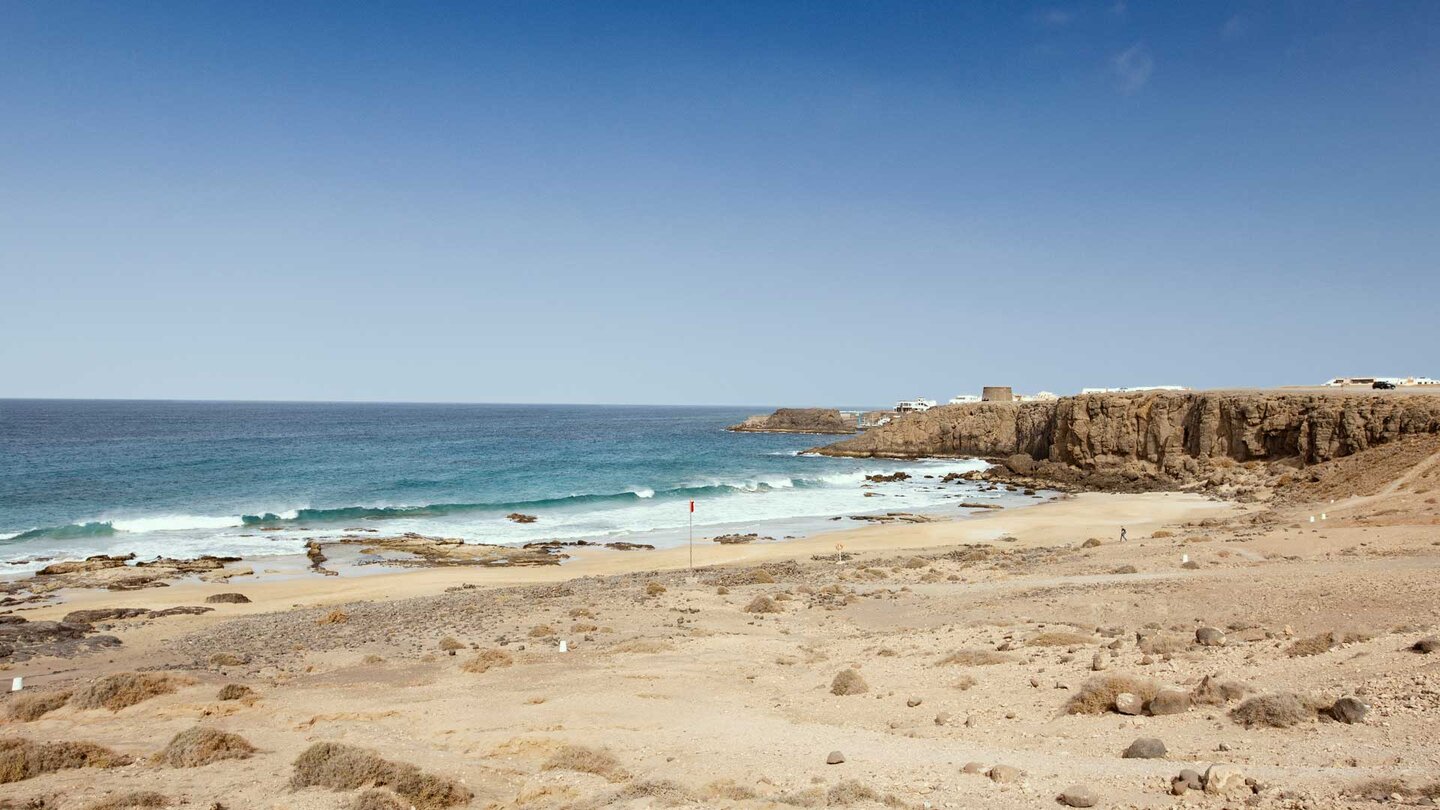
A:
(181, 478)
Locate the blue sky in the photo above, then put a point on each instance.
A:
(720, 202)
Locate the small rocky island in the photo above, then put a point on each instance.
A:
(798, 420)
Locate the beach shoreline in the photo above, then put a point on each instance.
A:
(1056, 521)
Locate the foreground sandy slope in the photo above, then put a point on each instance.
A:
(701, 703)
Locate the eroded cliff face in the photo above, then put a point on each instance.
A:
(797, 420)
(1165, 433)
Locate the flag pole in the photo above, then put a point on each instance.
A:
(692, 536)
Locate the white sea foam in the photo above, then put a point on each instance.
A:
(168, 523)
(774, 505)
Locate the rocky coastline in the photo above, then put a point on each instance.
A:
(1235, 442)
(798, 420)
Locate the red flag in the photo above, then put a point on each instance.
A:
(692, 507)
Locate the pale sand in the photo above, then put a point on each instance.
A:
(1069, 520)
(704, 704)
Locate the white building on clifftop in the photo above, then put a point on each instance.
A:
(917, 405)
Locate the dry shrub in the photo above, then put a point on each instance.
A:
(1162, 533)
(653, 588)
(26, 707)
(115, 692)
(22, 759)
(744, 576)
(449, 644)
(812, 797)
(916, 562)
(963, 682)
(848, 682)
(486, 660)
(728, 789)
(763, 604)
(1093, 542)
(1382, 788)
(581, 613)
(345, 767)
(663, 791)
(1059, 638)
(372, 659)
(234, 691)
(131, 801)
(850, 792)
(587, 760)
(227, 660)
(1097, 695)
(541, 631)
(973, 658)
(1215, 692)
(1323, 642)
(583, 627)
(1125, 569)
(1278, 710)
(203, 745)
(1311, 645)
(334, 617)
(378, 800)
(647, 646)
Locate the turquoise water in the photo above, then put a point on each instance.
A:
(185, 478)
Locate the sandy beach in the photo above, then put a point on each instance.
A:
(974, 651)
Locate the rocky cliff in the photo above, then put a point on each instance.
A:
(1176, 435)
(797, 420)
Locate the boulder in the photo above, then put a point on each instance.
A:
(1078, 796)
(1187, 780)
(1128, 703)
(1349, 710)
(1427, 645)
(1006, 774)
(1145, 748)
(227, 598)
(1223, 780)
(835, 758)
(1209, 637)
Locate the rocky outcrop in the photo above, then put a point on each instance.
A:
(1165, 435)
(797, 420)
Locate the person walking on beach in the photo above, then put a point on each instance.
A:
(1122, 534)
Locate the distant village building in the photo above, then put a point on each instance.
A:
(964, 399)
(1341, 382)
(1038, 396)
(917, 405)
(1133, 388)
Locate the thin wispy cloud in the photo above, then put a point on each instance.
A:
(1054, 17)
(1234, 28)
(1119, 8)
(1132, 67)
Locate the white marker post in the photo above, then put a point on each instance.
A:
(840, 549)
(564, 645)
(17, 683)
(1312, 518)
(1323, 516)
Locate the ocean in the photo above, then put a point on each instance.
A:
(181, 479)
